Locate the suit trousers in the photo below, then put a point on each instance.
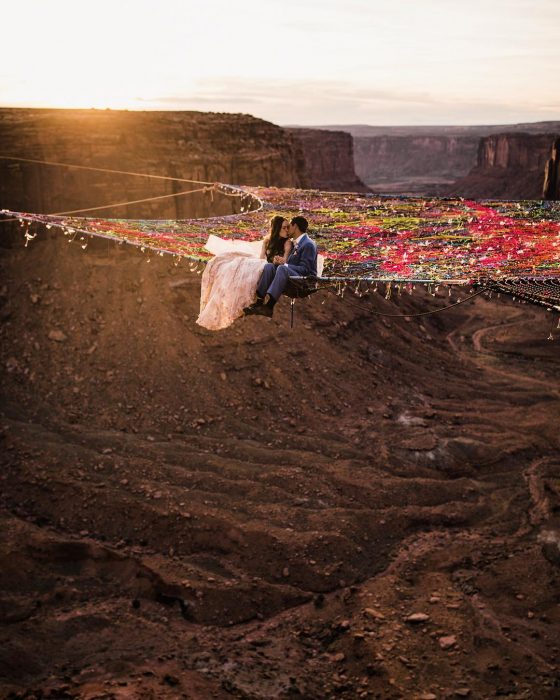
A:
(274, 280)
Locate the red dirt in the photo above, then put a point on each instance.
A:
(255, 513)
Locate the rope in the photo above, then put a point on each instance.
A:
(122, 204)
(423, 313)
(117, 204)
(213, 185)
(106, 170)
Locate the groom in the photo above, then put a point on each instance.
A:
(302, 262)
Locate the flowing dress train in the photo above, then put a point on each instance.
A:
(229, 281)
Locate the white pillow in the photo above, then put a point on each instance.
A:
(320, 264)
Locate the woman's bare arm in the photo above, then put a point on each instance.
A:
(263, 249)
(281, 259)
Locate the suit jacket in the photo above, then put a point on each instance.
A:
(303, 258)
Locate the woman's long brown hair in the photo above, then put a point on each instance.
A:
(275, 245)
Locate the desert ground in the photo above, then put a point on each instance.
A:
(358, 507)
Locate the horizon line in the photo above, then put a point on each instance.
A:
(338, 124)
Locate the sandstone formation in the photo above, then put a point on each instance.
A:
(475, 130)
(326, 160)
(230, 148)
(428, 159)
(509, 166)
(551, 187)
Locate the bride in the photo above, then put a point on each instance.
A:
(230, 279)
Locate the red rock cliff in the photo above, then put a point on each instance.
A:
(425, 159)
(551, 187)
(232, 148)
(509, 166)
(326, 160)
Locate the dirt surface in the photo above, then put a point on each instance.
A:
(360, 507)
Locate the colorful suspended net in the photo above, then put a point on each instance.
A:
(511, 246)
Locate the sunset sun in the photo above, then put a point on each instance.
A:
(408, 62)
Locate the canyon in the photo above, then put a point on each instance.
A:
(363, 505)
(240, 149)
(208, 147)
(413, 164)
(454, 160)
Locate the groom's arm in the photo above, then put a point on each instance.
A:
(309, 259)
(308, 262)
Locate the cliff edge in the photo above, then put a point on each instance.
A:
(509, 166)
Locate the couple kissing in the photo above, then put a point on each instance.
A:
(300, 260)
(247, 278)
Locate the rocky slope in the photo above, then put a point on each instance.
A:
(326, 160)
(509, 166)
(358, 507)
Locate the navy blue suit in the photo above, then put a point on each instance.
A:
(302, 262)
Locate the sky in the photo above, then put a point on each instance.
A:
(308, 62)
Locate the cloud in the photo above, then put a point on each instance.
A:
(199, 99)
(242, 90)
(334, 102)
(326, 94)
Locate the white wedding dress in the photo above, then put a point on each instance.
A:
(229, 281)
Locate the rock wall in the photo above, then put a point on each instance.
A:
(326, 160)
(241, 149)
(231, 148)
(509, 166)
(425, 160)
(551, 187)
(476, 130)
